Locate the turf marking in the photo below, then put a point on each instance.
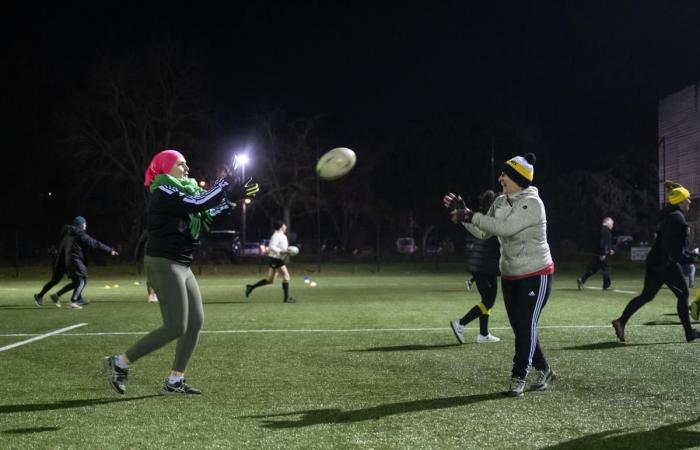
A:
(620, 291)
(41, 336)
(308, 330)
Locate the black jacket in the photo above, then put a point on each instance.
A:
(604, 241)
(669, 246)
(72, 256)
(482, 255)
(168, 222)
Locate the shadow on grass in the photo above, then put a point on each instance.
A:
(31, 430)
(334, 415)
(67, 404)
(668, 437)
(404, 348)
(609, 345)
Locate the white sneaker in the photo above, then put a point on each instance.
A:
(458, 330)
(152, 298)
(485, 339)
(74, 305)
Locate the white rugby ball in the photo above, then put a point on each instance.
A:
(293, 250)
(335, 163)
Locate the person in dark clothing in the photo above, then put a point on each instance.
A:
(482, 262)
(604, 249)
(178, 211)
(663, 263)
(139, 254)
(58, 271)
(72, 261)
(689, 267)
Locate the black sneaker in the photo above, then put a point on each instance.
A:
(248, 290)
(179, 388)
(289, 300)
(54, 298)
(116, 376)
(38, 300)
(619, 330)
(694, 334)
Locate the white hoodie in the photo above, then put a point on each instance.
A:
(520, 223)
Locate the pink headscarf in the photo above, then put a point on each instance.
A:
(162, 162)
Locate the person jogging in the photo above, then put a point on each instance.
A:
(600, 261)
(519, 221)
(482, 262)
(278, 259)
(663, 263)
(178, 212)
(72, 260)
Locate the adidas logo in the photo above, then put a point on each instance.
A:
(531, 294)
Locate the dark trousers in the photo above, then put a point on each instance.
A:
(524, 300)
(56, 277)
(488, 289)
(671, 276)
(594, 266)
(78, 286)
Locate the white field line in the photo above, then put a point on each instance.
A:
(309, 330)
(40, 336)
(614, 290)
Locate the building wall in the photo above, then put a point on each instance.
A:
(679, 147)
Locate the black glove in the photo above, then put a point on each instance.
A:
(451, 200)
(462, 215)
(240, 190)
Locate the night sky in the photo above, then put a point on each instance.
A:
(589, 73)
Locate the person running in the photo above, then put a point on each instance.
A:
(519, 221)
(278, 259)
(663, 263)
(482, 262)
(139, 253)
(178, 212)
(604, 250)
(72, 260)
(58, 271)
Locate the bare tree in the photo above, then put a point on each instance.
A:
(136, 107)
(288, 156)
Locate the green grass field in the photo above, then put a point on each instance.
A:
(364, 360)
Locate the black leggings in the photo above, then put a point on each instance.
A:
(524, 300)
(488, 288)
(671, 276)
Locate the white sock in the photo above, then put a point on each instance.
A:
(174, 379)
(121, 362)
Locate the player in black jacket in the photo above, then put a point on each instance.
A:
(178, 212)
(600, 261)
(482, 262)
(72, 261)
(663, 264)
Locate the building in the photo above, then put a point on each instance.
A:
(679, 148)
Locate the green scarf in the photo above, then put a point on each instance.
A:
(186, 186)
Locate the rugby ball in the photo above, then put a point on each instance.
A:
(336, 163)
(292, 250)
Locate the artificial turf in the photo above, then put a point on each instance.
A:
(363, 360)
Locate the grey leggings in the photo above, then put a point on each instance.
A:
(181, 308)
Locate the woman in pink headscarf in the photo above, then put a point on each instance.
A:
(177, 212)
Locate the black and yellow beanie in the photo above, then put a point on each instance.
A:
(521, 169)
(676, 193)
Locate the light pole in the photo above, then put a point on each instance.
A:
(243, 160)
